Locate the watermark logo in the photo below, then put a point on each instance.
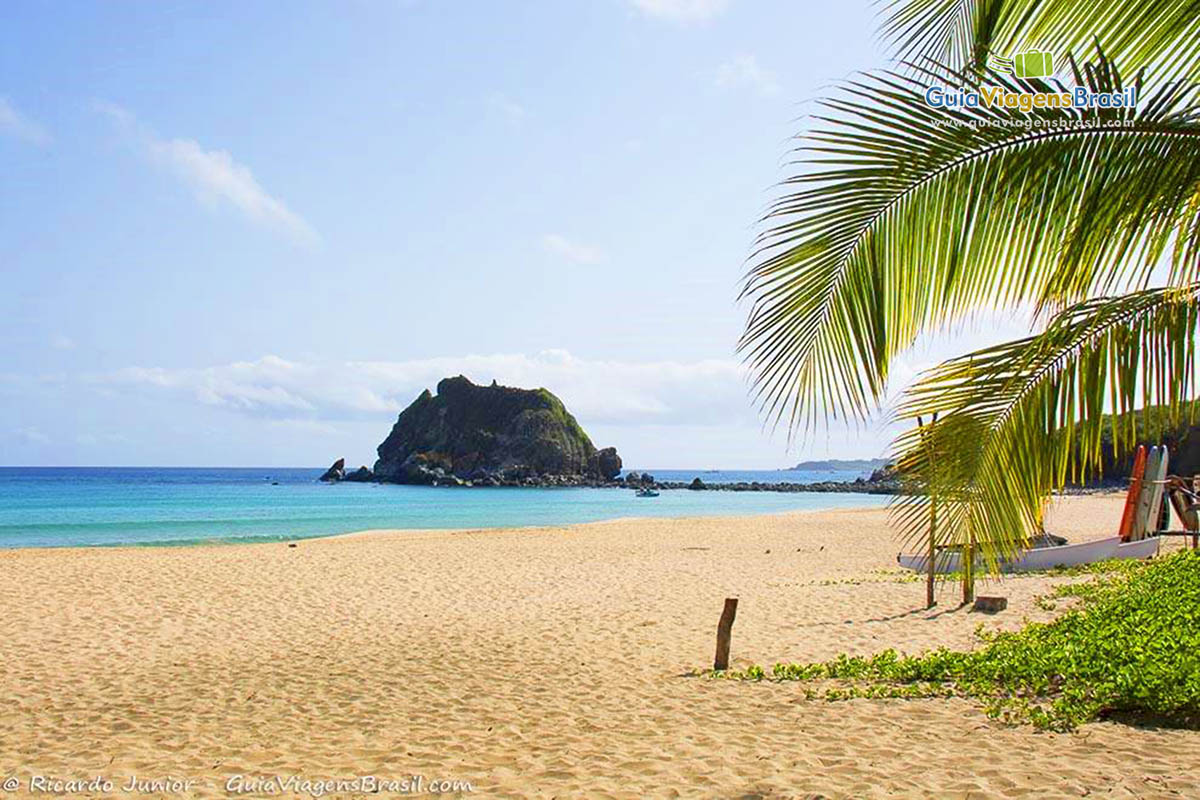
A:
(1032, 64)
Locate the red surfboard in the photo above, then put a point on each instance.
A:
(1135, 491)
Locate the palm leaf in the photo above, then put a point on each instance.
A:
(897, 222)
(1021, 419)
(1158, 35)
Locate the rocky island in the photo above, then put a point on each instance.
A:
(470, 435)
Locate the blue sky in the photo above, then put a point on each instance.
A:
(249, 233)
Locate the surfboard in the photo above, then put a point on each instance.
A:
(1156, 491)
(1135, 488)
(1141, 514)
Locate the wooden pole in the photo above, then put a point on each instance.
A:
(969, 571)
(930, 600)
(724, 629)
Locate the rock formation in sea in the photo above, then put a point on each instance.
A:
(491, 435)
(361, 475)
(336, 472)
(469, 435)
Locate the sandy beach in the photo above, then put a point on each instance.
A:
(548, 662)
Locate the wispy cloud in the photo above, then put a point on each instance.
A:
(681, 10)
(559, 245)
(30, 435)
(214, 176)
(606, 392)
(89, 439)
(14, 123)
(506, 107)
(61, 341)
(745, 72)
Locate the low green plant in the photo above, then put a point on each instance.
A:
(1131, 645)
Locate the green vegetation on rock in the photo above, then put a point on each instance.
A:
(493, 434)
(1155, 424)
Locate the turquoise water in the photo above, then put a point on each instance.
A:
(70, 507)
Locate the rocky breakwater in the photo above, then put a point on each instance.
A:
(880, 482)
(470, 435)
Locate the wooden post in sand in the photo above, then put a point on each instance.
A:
(930, 601)
(968, 586)
(724, 629)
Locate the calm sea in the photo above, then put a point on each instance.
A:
(78, 506)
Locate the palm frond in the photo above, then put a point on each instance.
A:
(1159, 36)
(956, 32)
(898, 221)
(1018, 420)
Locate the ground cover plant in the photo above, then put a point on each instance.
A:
(1131, 647)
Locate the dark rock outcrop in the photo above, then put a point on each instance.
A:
(491, 435)
(859, 486)
(606, 463)
(336, 472)
(1183, 444)
(885, 474)
(361, 475)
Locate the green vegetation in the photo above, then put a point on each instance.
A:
(1132, 646)
(496, 433)
(903, 217)
(1150, 425)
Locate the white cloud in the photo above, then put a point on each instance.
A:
(508, 108)
(16, 124)
(681, 10)
(559, 245)
(214, 176)
(61, 341)
(31, 435)
(98, 439)
(744, 71)
(708, 392)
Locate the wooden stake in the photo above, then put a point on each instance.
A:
(724, 629)
(930, 600)
(968, 586)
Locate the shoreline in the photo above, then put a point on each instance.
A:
(235, 541)
(369, 532)
(541, 661)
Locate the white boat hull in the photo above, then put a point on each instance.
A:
(1040, 558)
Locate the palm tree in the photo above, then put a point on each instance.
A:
(902, 218)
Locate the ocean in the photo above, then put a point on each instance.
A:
(93, 506)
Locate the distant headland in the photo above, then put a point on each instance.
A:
(841, 465)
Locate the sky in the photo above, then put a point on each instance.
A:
(238, 234)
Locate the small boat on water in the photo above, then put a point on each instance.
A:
(647, 492)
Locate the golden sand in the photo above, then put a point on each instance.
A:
(533, 662)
